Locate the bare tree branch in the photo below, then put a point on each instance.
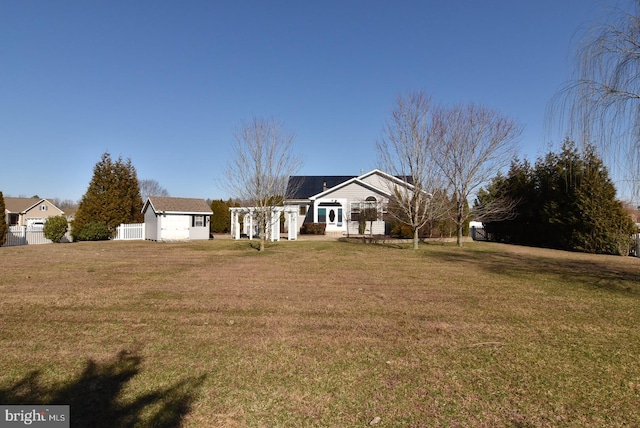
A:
(258, 171)
(150, 187)
(474, 143)
(499, 209)
(601, 104)
(405, 150)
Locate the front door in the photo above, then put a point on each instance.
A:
(331, 215)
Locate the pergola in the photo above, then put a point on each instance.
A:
(273, 221)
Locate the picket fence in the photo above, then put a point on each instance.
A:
(130, 231)
(28, 235)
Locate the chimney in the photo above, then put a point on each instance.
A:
(324, 186)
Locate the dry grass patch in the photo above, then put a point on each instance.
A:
(322, 334)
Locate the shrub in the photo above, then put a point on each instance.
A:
(402, 231)
(91, 231)
(55, 228)
(313, 228)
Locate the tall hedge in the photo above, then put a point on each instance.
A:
(113, 197)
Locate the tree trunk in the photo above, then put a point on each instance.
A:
(416, 239)
(263, 232)
(459, 225)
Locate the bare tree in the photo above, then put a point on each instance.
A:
(258, 170)
(600, 104)
(65, 204)
(498, 209)
(406, 151)
(150, 187)
(474, 143)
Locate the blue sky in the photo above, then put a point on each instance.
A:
(165, 83)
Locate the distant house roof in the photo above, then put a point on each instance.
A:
(306, 186)
(22, 205)
(177, 205)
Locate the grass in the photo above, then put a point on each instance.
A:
(321, 334)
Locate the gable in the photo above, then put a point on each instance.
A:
(313, 187)
(381, 180)
(306, 186)
(353, 190)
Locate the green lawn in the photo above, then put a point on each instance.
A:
(327, 334)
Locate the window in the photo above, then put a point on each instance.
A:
(355, 211)
(43, 208)
(322, 215)
(198, 221)
(303, 210)
(370, 209)
(370, 202)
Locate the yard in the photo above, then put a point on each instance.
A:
(321, 333)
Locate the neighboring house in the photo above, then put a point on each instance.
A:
(29, 211)
(340, 201)
(174, 219)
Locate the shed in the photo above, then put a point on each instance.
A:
(176, 219)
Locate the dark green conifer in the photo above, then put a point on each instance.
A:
(113, 197)
(221, 219)
(567, 201)
(3, 222)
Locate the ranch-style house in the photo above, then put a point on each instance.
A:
(340, 201)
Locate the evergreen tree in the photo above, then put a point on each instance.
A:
(567, 201)
(3, 222)
(604, 225)
(113, 197)
(221, 218)
(518, 187)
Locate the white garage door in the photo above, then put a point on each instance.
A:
(175, 227)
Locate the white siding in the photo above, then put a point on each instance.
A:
(353, 192)
(379, 182)
(174, 227)
(150, 225)
(200, 232)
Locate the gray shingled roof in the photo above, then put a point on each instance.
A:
(181, 205)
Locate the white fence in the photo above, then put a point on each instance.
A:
(28, 235)
(130, 231)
